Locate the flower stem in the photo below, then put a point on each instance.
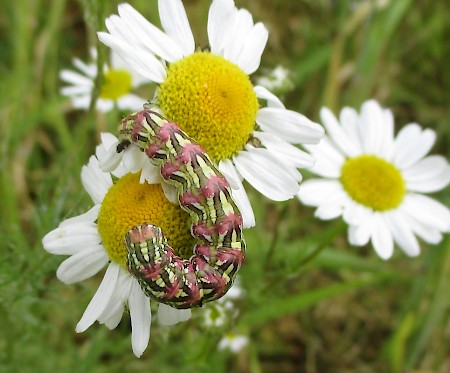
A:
(328, 237)
(276, 235)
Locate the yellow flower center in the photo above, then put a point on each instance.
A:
(212, 100)
(129, 203)
(373, 182)
(116, 83)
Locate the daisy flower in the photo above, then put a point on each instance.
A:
(221, 312)
(95, 239)
(375, 180)
(233, 342)
(118, 83)
(276, 80)
(244, 128)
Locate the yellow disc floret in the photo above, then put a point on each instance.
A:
(116, 83)
(212, 100)
(373, 182)
(129, 203)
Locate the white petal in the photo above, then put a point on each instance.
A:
(175, 23)
(114, 315)
(138, 79)
(328, 160)
(121, 31)
(359, 235)
(120, 171)
(81, 102)
(349, 120)
(104, 105)
(234, 181)
(381, 238)
(76, 79)
(287, 153)
(255, 42)
(428, 211)
(332, 206)
(149, 35)
(151, 174)
(337, 133)
(145, 63)
(239, 194)
(107, 140)
(170, 316)
(131, 101)
(387, 144)
(88, 217)
(95, 181)
(289, 125)
(140, 319)
(106, 153)
(312, 191)
(113, 312)
(240, 25)
(170, 192)
(82, 265)
(428, 175)
(428, 233)
(355, 213)
(373, 128)
(412, 144)
(266, 175)
(134, 159)
(100, 299)
(117, 62)
(76, 90)
(402, 233)
(220, 18)
(72, 238)
(107, 150)
(89, 70)
(272, 100)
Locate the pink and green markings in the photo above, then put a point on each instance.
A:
(216, 221)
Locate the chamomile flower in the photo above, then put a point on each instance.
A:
(276, 79)
(118, 84)
(233, 342)
(376, 181)
(95, 239)
(244, 128)
(219, 314)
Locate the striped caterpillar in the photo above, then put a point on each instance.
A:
(206, 195)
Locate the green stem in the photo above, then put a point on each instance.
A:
(275, 236)
(328, 238)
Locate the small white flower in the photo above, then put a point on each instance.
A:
(118, 83)
(275, 80)
(216, 315)
(375, 181)
(233, 342)
(244, 128)
(94, 240)
(221, 312)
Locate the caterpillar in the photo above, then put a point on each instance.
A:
(206, 195)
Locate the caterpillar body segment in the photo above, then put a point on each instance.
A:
(206, 195)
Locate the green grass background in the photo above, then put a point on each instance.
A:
(313, 303)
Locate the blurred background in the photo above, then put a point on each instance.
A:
(343, 310)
